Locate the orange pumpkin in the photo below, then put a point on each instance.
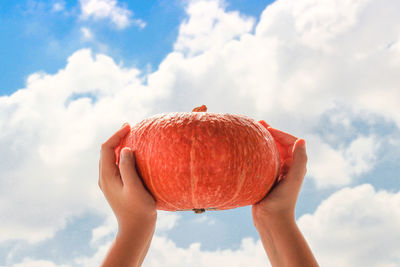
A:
(204, 161)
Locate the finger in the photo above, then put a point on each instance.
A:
(115, 139)
(108, 168)
(282, 137)
(127, 168)
(295, 175)
(263, 123)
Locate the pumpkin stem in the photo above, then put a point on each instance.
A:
(199, 210)
(202, 108)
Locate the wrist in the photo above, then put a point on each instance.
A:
(274, 222)
(144, 223)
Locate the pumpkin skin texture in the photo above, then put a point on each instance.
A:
(203, 161)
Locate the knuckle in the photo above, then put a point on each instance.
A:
(302, 157)
(103, 146)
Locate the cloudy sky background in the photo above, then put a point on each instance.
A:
(71, 72)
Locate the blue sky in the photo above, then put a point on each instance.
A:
(71, 72)
(39, 38)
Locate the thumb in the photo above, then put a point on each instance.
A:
(127, 169)
(298, 167)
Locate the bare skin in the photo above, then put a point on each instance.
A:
(135, 208)
(131, 203)
(274, 216)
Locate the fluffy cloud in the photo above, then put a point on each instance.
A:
(304, 58)
(306, 65)
(86, 33)
(165, 221)
(51, 132)
(355, 227)
(210, 26)
(294, 70)
(35, 263)
(165, 252)
(329, 48)
(330, 166)
(109, 9)
(58, 6)
(102, 236)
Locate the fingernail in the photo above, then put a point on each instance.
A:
(123, 125)
(125, 153)
(301, 144)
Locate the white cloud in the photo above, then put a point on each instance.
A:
(317, 25)
(105, 231)
(86, 33)
(304, 58)
(290, 75)
(355, 227)
(254, 74)
(346, 62)
(204, 219)
(311, 23)
(51, 132)
(166, 253)
(210, 26)
(165, 221)
(395, 48)
(96, 259)
(276, 73)
(339, 166)
(58, 6)
(109, 9)
(36, 263)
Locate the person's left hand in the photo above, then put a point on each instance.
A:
(130, 201)
(281, 200)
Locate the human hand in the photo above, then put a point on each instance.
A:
(131, 203)
(274, 215)
(280, 202)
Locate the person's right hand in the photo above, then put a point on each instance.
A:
(122, 186)
(280, 202)
(132, 204)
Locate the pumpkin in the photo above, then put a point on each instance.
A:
(204, 161)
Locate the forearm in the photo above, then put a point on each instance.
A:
(130, 245)
(146, 249)
(285, 244)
